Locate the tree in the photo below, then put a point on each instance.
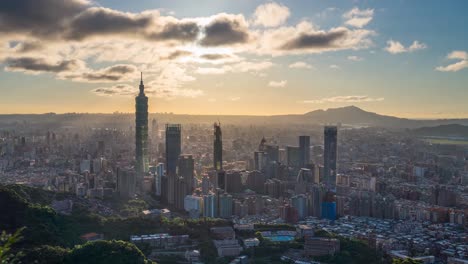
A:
(6, 243)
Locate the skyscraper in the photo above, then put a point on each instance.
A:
(186, 167)
(141, 132)
(304, 151)
(329, 156)
(217, 148)
(173, 149)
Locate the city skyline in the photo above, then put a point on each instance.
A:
(226, 57)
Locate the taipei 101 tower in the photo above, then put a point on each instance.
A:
(141, 133)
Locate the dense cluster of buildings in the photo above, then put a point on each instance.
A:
(293, 175)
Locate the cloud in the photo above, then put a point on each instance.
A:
(225, 29)
(40, 18)
(462, 56)
(28, 46)
(78, 20)
(334, 67)
(271, 15)
(281, 83)
(40, 65)
(300, 65)
(396, 47)
(355, 58)
(306, 38)
(177, 54)
(215, 56)
(358, 18)
(240, 67)
(345, 99)
(121, 89)
(113, 73)
(234, 99)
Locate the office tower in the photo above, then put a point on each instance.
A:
(292, 156)
(141, 132)
(185, 168)
(180, 191)
(329, 206)
(304, 178)
(158, 174)
(205, 184)
(233, 182)
(221, 180)
(272, 153)
(304, 151)
(329, 156)
(260, 160)
(217, 148)
(173, 149)
(256, 181)
(126, 183)
(316, 196)
(209, 205)
(300, 203)
(225, 205)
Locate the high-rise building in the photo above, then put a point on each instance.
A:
(329, 156)
(141, 132)
(173, 150)
(126, 183)
(173, 147)
(300, 203)
(217, 148)
(185, 168)
(225, 205)
(292, 156)
(233, 182)
(209, 205)
(304, 151)
(158, 174)
(221, 179)
(205, 184)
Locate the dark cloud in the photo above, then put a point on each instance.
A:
(182, 31)
(40, 65)
(24, 47)
(41, 18)
(78, 20)
(104, 21)
(315, 40)
(177, 54)
(121, 89)
(225, 30)
(214, 56)
(113, 73)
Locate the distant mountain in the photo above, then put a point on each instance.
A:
(452, 130)
(356, 116)
(349, 115)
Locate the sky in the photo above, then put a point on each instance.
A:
(241, 57)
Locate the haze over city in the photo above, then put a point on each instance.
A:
(400, 58)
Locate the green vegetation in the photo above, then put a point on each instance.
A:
(446, 141)
(6, 243)
(406, 261)
(111, 252)
(353, 251)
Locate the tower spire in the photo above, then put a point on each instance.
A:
(142, 87)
